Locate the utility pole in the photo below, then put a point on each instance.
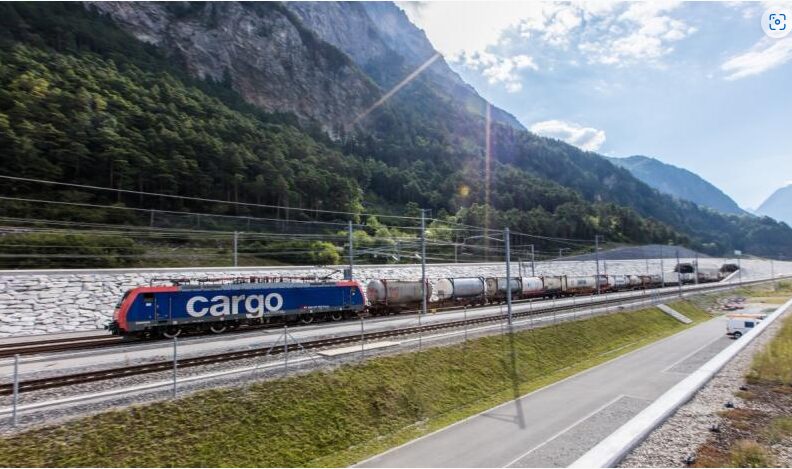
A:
(423, 261)
(772, 273)
(596, 258)
(662, 269)
(533, 261)
(508, 276)
(236, 245)
(351, 253)
(739, 267)
(679, 273)
(696, 269)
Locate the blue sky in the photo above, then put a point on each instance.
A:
(693, 84)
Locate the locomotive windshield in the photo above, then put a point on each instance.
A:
(124, 297)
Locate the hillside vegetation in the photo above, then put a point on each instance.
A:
(83, 101)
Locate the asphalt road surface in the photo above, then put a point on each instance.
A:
(553, 426)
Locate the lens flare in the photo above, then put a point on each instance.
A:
(396, 88)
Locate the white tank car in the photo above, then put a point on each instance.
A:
(671, 278)
(454, 288)
(496, 287)
(708, 274)
(395, 292)
(532, 286)
(585, 284)
(617, 282)
(635, 281)
(555, 284)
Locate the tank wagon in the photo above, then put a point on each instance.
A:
(393, 296)
(496, 288)
(169, 310)
(467, 291)
(555, 286)
(709, 274)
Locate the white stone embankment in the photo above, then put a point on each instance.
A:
(41, 302)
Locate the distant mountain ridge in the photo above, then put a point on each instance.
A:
(778, 205)
(678, 182)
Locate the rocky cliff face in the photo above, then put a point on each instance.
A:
(322, 61)
(265, 52)
(380, 38)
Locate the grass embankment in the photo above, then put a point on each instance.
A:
(337, 417)
(759, 432)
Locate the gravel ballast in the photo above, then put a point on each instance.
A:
(681, 435)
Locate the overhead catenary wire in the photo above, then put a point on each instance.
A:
(286, 208)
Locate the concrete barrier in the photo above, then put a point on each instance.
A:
(610, 451)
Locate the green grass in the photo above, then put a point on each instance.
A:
(748, 453)
(690, 309)
(774, 362)
(338, 417)
(780, 429)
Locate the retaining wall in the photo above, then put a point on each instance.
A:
(49, 301)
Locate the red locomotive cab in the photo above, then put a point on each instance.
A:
(119, 324)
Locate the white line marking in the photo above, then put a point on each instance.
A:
(566, 429)
(665, 370)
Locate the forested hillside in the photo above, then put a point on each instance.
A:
(678, 182)
(82, 101)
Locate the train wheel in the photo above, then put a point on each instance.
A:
(336, 315)
(171, 332)
(306, 318)
(218, 328)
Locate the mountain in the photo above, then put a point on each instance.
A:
(678, 182)
(301, 105)
(778, 205)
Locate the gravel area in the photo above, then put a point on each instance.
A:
(682, 434)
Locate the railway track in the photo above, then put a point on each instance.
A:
(163, 366)
(106, 340)
(59, 345)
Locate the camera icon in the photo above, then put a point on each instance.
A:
(776, 22)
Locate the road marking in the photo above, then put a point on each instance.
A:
(566, 429)
(666, 370)
(570, 427)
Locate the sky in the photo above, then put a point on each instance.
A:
(694, 84)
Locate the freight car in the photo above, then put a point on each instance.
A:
(466, 291)
(169, 310)
(496, 288)
(393, 296)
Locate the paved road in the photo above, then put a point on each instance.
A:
(553, 426)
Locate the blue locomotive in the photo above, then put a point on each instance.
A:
(217, 306)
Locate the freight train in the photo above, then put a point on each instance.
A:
(220, 304)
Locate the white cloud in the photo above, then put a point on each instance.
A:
(456, 28)
(491, 36)
(585, 138)
(765, 55)
(500, 70)
(644, 33)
